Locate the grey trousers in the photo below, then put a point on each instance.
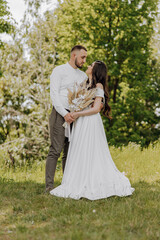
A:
(58, 143)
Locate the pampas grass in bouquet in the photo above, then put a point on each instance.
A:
(81, 96)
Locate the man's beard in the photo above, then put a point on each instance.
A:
(76, 63)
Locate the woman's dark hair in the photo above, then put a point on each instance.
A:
(99, 75)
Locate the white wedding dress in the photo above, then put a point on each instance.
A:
(90, 171)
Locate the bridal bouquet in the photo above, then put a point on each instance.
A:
(80, 98)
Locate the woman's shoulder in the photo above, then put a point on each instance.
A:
(99, 85)
(99, 90)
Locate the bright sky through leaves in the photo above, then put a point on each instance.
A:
(18, 7)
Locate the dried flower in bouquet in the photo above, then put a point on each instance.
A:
(81, 96)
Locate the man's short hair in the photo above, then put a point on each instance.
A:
(78, 47)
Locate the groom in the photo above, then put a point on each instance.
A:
(62, 78)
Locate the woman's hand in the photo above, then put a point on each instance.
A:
(75, 115)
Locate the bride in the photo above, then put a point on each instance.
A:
(90, 171)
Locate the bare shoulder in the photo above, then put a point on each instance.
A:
(99, 85)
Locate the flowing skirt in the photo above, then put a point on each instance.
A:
(90, 171)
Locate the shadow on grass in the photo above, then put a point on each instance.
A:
(11, 189)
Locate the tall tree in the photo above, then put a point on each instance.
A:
(25, 87)
(6, 26)
(119, 33)
(6, 21)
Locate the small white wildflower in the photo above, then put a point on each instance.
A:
(82, 97)
(94, 211)
(75, 100)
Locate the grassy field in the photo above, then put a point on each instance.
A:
(27, 213)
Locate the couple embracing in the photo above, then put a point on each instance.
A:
(88, 169)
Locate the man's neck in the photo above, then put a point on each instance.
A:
(72, 64)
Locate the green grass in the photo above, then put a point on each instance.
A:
(27, 213)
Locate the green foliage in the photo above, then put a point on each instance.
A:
(134, 116)
(119, 33)
(12, 88)
(6, 23)
(25, 94)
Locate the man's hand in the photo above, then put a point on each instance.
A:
(68, 118)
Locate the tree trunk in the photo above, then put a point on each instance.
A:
(115, 90)
(110, 87)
